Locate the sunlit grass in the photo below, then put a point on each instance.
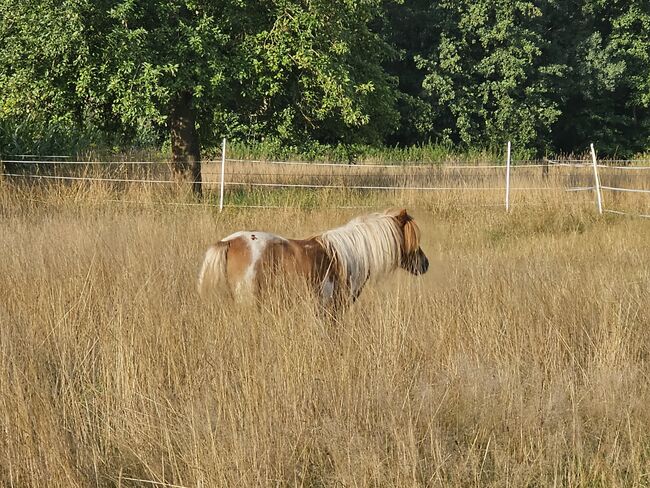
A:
(519, 359)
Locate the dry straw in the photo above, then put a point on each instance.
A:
(519, 359)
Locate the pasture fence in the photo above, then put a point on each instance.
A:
(245, 175)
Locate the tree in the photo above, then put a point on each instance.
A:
(43, 52)
(486, 76)
(280, 68)
(605, 95)
(413, 29)
(630, 39)
(548, 74)
(310, 70)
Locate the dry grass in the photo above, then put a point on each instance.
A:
(520, 359)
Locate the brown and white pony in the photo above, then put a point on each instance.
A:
(335, 264)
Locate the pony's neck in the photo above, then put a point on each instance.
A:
(365, 248)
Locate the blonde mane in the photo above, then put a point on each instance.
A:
(365, 248)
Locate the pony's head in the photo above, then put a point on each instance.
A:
(412, 257)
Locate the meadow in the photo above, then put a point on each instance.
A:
(520, 359)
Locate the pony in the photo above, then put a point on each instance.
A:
(335, 265)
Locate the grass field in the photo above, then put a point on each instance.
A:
(520, 359)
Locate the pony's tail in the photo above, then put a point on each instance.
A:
(213, 270)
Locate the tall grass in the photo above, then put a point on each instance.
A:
(358, 153)
(520, 359)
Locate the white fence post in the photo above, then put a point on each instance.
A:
(508, 179)
(599, 196)
(223, 171)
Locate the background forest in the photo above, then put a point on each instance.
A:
(550, 75)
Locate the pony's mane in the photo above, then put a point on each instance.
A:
(366, 247)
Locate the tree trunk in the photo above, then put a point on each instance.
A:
(186, 148)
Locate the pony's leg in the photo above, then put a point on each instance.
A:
(338, 302)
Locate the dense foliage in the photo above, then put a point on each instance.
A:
(551, 75)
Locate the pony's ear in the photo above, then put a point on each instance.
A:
(402, 216)
(411, 235)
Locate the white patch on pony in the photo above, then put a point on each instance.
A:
(257, 242)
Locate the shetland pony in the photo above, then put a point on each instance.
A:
(335, 265)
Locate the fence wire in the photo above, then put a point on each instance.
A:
(401, 170)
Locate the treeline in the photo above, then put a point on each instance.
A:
(550, 75)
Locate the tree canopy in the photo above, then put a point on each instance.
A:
(549, 75)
